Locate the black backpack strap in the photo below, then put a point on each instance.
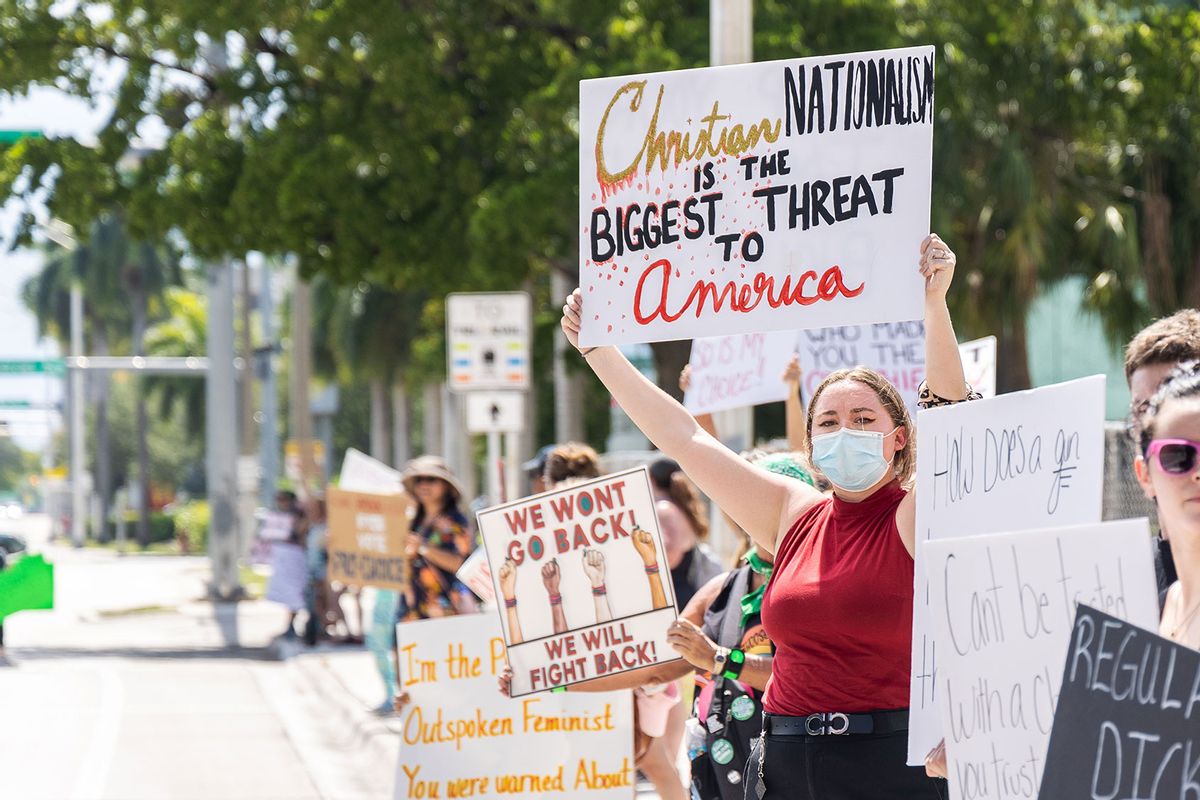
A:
(730, 635)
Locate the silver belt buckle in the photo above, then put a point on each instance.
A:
(832, 724)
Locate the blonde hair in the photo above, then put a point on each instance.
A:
(905, 461)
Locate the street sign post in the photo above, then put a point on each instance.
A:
(32, 366)
(495, 412)
(487, 341)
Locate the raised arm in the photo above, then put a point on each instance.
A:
(761, 503)
(793, 408)
(943, 364)
(705, 421)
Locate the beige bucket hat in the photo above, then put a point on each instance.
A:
(429, 467)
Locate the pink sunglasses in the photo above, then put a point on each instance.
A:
(1174, 456)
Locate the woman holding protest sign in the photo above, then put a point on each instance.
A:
(839, 605)
(440, 541)
(1170, 475)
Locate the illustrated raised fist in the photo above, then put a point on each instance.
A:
(508, 579)
(593, 565)
(551, 576)
(643, 542)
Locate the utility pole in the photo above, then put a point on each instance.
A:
(220, 433)
(78, 498)
(268, 443)
(731, 41)
(300, 373)
(568, 405)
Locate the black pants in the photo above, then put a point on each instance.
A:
(867, 767)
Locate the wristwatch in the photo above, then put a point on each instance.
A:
(719, 659)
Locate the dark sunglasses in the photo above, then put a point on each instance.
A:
(425, 479)
(1174, 456)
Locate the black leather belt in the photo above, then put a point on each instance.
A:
(836, 723)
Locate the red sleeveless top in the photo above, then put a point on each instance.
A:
(839, 610)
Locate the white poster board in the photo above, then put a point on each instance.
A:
(459, 737)
(1005, 608)
(361, 473)
(979, 364)
(1032, 459)
(588, 590)
(757, 197)
(737, 371)
(894, 349)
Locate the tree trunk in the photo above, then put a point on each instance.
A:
(568, 397)
(1157, 262)
(431, 416)
(1012, 359)
(380, 440)
(143, 449)
(669, 360)
(401, 447)
(104, 478)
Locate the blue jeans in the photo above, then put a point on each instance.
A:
(381, 638)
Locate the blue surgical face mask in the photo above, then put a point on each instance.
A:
(852, 460)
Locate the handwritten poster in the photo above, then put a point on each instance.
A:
(894, 349)
(745, 369)
(757, 197)
(581, 580)
(459, 737)
(1019, 461)
(979, 364)
(1005, 605)
(367, 537)
(1128, 717)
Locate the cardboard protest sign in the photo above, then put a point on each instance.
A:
(979, 364)
(1005, 605)
(459, 737)
(1128, 717)
(894, 349)
(582, 581)
(367, 536)
(1025, 460)
(757, 197)
(737, 371)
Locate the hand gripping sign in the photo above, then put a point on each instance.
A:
(582, 581)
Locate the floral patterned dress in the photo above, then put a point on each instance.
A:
(436, 592)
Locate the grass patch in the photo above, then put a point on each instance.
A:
(129, 612)
(252, 581)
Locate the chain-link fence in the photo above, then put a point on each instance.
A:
(1123, 497)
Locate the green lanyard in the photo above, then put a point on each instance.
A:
(752, 602)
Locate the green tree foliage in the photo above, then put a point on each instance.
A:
(434, 145)
(182, 333)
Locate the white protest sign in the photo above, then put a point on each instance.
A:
(736, 371)
(459, 737)
(276, 526)
(1005, 610)
(894, 349)
(582, 581)
(361, 473)
(1025, 460)
(979, 364)
(756, 197)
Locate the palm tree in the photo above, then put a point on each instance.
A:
(120, 278)
(366, 331)
(182, 333)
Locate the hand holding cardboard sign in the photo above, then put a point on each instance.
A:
(691, 643)
(792, 373)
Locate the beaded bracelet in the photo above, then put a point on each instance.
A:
(652, 569)
(599, 590)
(510, 603)
(556, 599)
